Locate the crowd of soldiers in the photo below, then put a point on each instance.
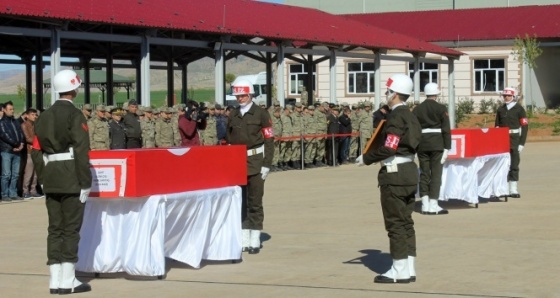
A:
(159, 128)
(308, 136)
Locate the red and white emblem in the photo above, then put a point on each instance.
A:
(389, 82)
(524, 121)
(267, 132)
(392, 141)
(240, 90)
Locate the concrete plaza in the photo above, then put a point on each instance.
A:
(325, 238)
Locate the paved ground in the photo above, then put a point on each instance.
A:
(325, 238)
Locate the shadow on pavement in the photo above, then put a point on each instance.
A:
(374, 260)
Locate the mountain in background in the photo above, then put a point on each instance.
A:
(200, 74)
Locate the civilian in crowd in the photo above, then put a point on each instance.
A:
(131, 123)
(29, 176)
(344, 128)
(12, 141)
(221, 124)
(188, 125)
(332, 129)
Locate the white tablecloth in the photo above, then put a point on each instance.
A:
(135, 235)
(468, 179)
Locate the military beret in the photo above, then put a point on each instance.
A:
(276, 103)
(108, 108)
(367, 104)
(289, 107)
(147, 109)
(316, 104)
(132, 102)
(167, 110)
(298, 105)
(325, 104)
(344, 104)
(125, 105)
(218, 107)
(311, 107)
(140, 113)
(87, 106)
(100, 108)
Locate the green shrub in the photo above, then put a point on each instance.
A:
(465, 105)
(485, 106)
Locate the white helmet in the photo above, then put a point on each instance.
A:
(242, 87)
(400, 83)
(66, 80)
(431, 89)
(509, 91)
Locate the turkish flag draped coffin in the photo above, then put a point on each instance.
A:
(475, 142)
(145, 172)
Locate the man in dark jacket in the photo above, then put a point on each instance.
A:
(398, 179)
(117, 132)
(332, 129)
(345, 127)
(12, 141)
(131, 123)
(380, 114)
(63, 139)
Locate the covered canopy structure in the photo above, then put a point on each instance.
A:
(179, 32)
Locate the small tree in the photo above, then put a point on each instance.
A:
(230, 78)
(526, 50)
(21, 92)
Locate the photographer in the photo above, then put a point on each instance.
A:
(188, 125)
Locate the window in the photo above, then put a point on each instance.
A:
(360, 77)
(428, 73)
(489, 75)
(298, 78)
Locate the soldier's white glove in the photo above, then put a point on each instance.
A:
(84, 194)
(444, 156)
(360, 161)
(520, 148)
(264, 172)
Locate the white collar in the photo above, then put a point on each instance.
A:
(511, 104)
(246, 108)
(397, 105)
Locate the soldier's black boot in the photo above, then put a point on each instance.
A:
(68, 283)
(255, 246)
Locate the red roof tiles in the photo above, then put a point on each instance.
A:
(470, 24)
(230, 17)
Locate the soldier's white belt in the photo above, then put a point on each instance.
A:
(431, 130)
(517, 130)
(255, 151)
(392, 162)
(59, 156)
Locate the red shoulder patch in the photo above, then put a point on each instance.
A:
(85, 127)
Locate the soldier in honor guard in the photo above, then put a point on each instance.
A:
(165, 132)
(64, 172)
(511, 114)
(251, 126)
(398, 179)
(147, 125)
(99, 130)
(433, 148)
(117, 130)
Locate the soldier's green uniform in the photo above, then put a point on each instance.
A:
(297, 130)
(99, 131)
(365, 125)
(277, 129)
(436, 136)
(399, 138)
(354, 140)
(59, 129)
(254, 130)
(286, 145)
(310, 128)
(165, 133)
(321, 122)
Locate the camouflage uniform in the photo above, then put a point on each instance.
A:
(148, 128)
(321, 122)
(210, 135)
(286, 145)
(365, 126)
(297, 130)
(99, 131)
(165, 133)
(310, 128)
(355, 140)
(277, 129)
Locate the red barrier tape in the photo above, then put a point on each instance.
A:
(316, 136)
